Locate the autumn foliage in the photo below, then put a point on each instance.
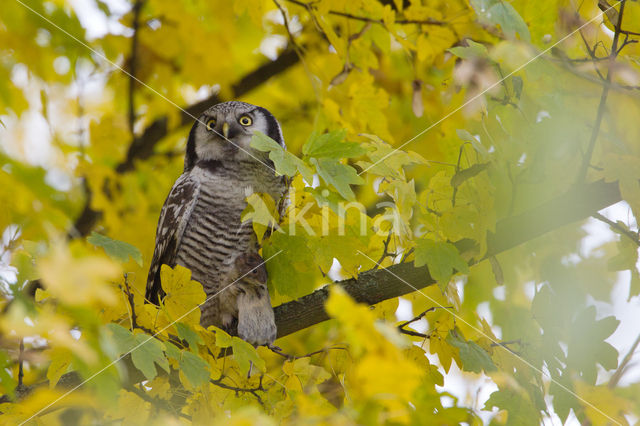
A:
(445, 158)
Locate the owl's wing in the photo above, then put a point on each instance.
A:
(174, 217)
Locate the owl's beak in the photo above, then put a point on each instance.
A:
(225, 129)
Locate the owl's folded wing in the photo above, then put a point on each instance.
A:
(174, 216)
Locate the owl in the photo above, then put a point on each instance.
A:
(200, 226)
(256, 322)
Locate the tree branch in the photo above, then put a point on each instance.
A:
(378, 285)
(375, 286)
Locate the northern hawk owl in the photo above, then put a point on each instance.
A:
(200, 226)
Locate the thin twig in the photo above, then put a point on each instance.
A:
(613, 382)
(290, 357)
(127, 291)
(507, 342)
(421, 315)
(428, 21)
(156, 402)
(620, 229)
(406, 255)
(625, 32)
(626, 42)
(21, 363)
(455, 188)
(286, 26)
(413, 333)
(593, 56)
(385, 253)
(603, 99)
(253, 391)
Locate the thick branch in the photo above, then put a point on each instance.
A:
(375, 286)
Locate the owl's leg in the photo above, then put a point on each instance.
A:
(256, 321)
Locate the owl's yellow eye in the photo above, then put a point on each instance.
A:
(211, 124)
(245, 120)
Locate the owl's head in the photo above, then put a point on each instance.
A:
(224, 131)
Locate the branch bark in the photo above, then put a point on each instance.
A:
(375, 286)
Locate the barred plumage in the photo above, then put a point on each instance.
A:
(200, 226)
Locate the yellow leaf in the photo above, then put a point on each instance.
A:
(262, 211)
(132, 410)
(606, 401)
(40, 399)
(79, 281)
(445, 351)
(388, 380)
(183, 295)
(60, 360)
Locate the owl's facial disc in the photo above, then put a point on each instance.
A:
(224, 133)
(228, 136)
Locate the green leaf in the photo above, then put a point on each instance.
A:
(586, 346)
(285, 163)
(245, 355)
(194, 368)
(122, 337)
(520, 409)
(473, 50)
(117, 250)
(7, 383)
(441, 258)
(145, 350)
(510, 21)
(627, 258)
(291, 268)
(341, 176)
(385, 160)
(473, 357)
(61, 358)
(465, 174)
(518, 85)
(148, 352)
(262, 211)
(468, 137)
(331, 145)
(498, 12)
(223, 339)
(186, 333)
(172, 351)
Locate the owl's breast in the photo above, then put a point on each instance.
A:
(215, 233)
